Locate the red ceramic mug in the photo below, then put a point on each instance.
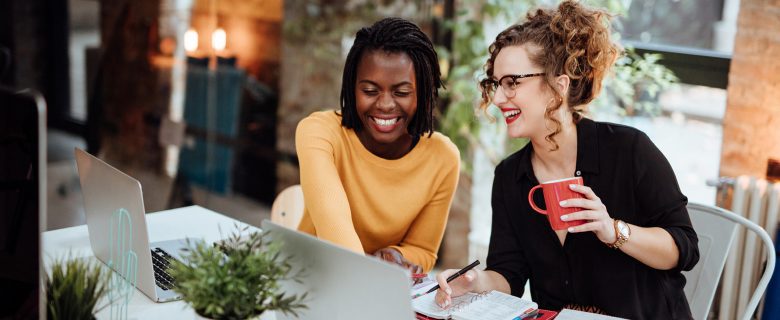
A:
(555, 192)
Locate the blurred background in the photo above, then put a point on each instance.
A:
(199, 99)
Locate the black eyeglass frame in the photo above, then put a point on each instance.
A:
(488, 84)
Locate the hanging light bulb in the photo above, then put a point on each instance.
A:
(191, 40)
(219, 39)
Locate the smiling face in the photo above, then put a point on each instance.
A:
(524, 107)
(386, 101)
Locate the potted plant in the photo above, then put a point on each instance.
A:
(73, 289)
(238, 279)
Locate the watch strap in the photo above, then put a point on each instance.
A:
(620, 238)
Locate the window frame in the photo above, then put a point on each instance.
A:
(692, 66)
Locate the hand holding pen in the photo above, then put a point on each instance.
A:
(448, 276)
(454, 283)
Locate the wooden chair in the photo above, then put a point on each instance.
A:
(287, 209)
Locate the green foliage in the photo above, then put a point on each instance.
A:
(633, 87)
(461, 120)
(237, 280)
(73, 289)
(326, 23)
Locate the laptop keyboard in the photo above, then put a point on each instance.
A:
(160, 262)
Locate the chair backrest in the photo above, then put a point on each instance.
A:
(287, 209)
(715, 234)
(716, 228)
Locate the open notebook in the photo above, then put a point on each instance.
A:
(490, 305)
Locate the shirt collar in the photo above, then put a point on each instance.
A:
(587, 151)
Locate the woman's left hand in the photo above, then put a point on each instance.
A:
(594, 213)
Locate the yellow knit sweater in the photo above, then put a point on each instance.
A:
(363, 202)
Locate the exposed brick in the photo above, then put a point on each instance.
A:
(751, 125)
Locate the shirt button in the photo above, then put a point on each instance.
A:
(578, 173)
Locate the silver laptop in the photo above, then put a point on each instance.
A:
(340, 283)
(106, 190)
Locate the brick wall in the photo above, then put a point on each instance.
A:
(310, 80)
(751, 125)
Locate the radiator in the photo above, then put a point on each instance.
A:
(756, 200)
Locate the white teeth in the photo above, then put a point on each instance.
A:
(511, 113)
(385, 122)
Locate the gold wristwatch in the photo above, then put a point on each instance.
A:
(622, 232)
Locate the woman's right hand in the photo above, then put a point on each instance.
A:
(457, 287)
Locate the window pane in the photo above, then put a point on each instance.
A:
(701, 24)
(689, 133)
(84, 34)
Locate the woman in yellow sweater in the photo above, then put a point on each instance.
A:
(376, 178)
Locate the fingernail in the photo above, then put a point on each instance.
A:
(571, 229)
(563, 203)
(448, 291)
(572, 186)
(564, 217)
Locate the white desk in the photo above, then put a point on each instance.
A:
(193, 222)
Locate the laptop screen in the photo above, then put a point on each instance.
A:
(22, 182)
(339, 283)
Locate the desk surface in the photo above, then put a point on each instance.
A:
(193, 222)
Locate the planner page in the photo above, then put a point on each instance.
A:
(426, 305)
(495, 305)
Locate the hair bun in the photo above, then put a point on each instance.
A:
(568, 7)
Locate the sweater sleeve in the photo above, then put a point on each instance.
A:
(421, 243)
(316, 143)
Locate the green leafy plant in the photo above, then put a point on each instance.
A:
(237, 280)
(631, 89)
(461, 121)
(635, 86)
(73, 289)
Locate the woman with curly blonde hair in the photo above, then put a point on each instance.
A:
(626, 258)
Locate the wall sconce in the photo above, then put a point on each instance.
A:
(191, 41)
(218, 39)
(218, 43)
(194, 57)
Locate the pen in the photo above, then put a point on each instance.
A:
(530, 315)
(455, 275)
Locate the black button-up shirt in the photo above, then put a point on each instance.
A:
(637, 185)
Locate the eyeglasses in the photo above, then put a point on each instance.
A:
(508, 83)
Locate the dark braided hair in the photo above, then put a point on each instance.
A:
(573, 40)
(394, 35)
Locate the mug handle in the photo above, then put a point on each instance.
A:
(531, 200)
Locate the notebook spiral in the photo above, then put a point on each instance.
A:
(463, 304)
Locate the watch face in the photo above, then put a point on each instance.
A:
(623, 227)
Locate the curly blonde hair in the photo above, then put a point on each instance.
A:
(573, 40)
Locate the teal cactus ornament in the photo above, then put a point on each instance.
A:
(124, 261)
